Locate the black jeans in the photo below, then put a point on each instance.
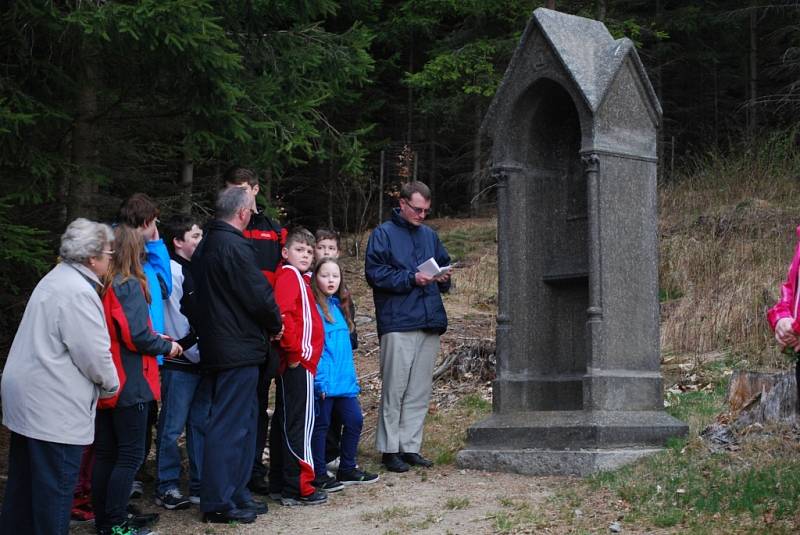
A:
(41, 477)
(119, 451)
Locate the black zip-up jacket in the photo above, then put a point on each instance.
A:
(235, 310)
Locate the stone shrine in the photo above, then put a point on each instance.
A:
(578, 388)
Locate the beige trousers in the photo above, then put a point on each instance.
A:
(407, 364)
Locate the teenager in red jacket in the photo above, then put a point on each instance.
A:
(121, 422)
(291, 471)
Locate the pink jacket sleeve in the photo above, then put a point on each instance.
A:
(786, 307)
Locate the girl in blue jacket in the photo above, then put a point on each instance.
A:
(336, 385)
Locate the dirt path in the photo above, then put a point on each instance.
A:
(439, 500)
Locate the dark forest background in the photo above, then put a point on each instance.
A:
(328, 100)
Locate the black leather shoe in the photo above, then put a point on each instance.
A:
(394, 463)
(415, 459)
(241, 516)
(259, 508)
(258, 485)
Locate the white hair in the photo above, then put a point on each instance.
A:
(83, 240)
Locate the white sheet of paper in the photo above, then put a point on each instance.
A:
(431, 268)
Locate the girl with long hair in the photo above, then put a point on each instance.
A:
(122, 419)
(336, 384)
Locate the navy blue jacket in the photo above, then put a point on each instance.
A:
(394, 251)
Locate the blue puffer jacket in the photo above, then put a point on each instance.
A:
(336, 372)
(394, 251)
(159, 281)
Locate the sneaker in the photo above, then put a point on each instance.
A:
(127, 529)
(172, 499)
(328, 484)
(357, 477)
(194, 499)
(136, 518)
(81, 511)
(316, 498)
(79, 515)
(137, 490)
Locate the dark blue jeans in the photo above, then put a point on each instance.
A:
(349, 412)
(41, 478)
(119, 451)
(230, 439)
(184, 404)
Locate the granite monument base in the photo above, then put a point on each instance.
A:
(566, 442)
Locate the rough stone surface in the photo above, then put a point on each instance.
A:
(574, 124)
(539, 462)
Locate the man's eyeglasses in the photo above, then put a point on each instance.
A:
(418, 210)
(109, 253)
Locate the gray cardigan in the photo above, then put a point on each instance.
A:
(60, 360)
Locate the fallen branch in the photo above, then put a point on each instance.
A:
(448, 362)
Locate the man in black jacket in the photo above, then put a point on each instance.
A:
(236, 318)
(267, 238)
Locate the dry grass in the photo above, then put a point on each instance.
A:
(726, 239)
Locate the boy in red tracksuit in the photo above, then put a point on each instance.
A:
(291, 470)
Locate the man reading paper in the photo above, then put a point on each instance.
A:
(411, 317)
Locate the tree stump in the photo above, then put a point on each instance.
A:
(763, 398)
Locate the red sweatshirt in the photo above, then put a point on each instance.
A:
(303, 334)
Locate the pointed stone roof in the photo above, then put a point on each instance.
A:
(588, 52)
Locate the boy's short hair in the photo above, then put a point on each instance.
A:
(300, 235)
(238, 175)
(327, 234)
(138, 210)
(176, 227)
(415, 186)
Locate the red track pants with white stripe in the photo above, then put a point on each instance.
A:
(291, 462)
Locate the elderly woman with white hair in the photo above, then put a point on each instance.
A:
(59, 364)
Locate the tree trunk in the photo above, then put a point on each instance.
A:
(659, 88)
(716, 105)
(83, 158)
(752, 118)
(187, 182)
(600, 10)
(410, 115)
(551, 4)
(380, 187)
(330, 196)
(477, 170)
(432, 177)
(266, 185)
